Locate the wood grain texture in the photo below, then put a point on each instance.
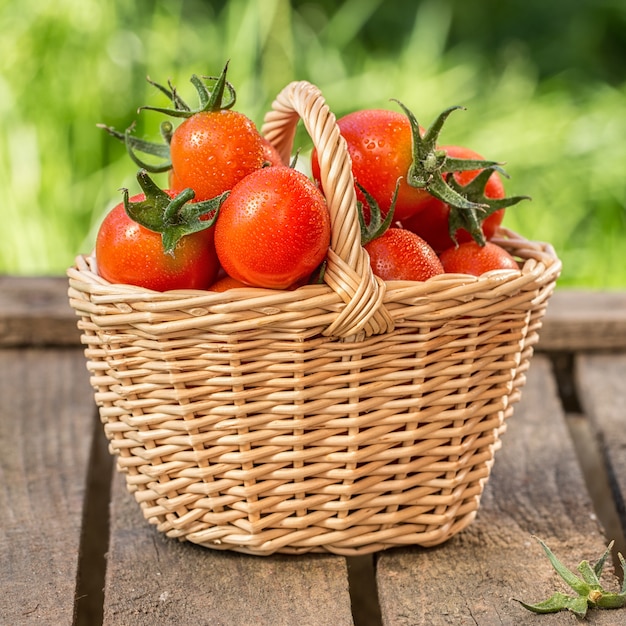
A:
(152, 579)
(584, 320)
(46, 425)
(536, 488)
(601, 381)
(36, 311)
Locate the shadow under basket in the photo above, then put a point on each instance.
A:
(346, 417)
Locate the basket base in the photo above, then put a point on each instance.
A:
(354, 540)
(403, 537)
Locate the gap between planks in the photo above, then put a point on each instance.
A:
(589, 453)
(94, 542)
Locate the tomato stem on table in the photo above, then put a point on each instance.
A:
(590, 593)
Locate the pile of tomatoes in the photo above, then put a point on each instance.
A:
(234, 214)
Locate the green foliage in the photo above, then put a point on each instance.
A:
(553, 111)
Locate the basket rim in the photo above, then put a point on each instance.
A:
(88, 292)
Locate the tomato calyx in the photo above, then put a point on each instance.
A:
(430, 164)
(471, 219)
(171, 216)
(220, 98)
(210, 100)
(432, 169)
(135, 144)
(377, 225)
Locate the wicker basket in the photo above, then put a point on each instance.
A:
(346, 417)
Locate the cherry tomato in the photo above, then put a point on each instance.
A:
(270, 154)
(270, 157)
(273, 230)
(225, 283)
(471, 258)
(128, 253)
(399, 254)
(380, 145)
(173, 183)
(211, 151)
(431, 220)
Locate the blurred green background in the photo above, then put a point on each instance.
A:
(543, 83)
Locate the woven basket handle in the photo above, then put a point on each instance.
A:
(348, 272)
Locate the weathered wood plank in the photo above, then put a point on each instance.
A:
(536, 488)
(152, 579)
(47, 421)
(584, 320)
(601, 381)
(36, 311)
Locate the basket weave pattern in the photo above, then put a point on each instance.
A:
(346, 417)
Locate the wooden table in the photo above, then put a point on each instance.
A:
(75, 549)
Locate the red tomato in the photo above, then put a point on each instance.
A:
(270, 153)
(431, 220)
(432, 225)
(471, 258)
(128, 253)
(273, 229)
(211, 151)
(225, 283)
(270, 157)
(173, 183)
(380, 145)
(399, 254)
